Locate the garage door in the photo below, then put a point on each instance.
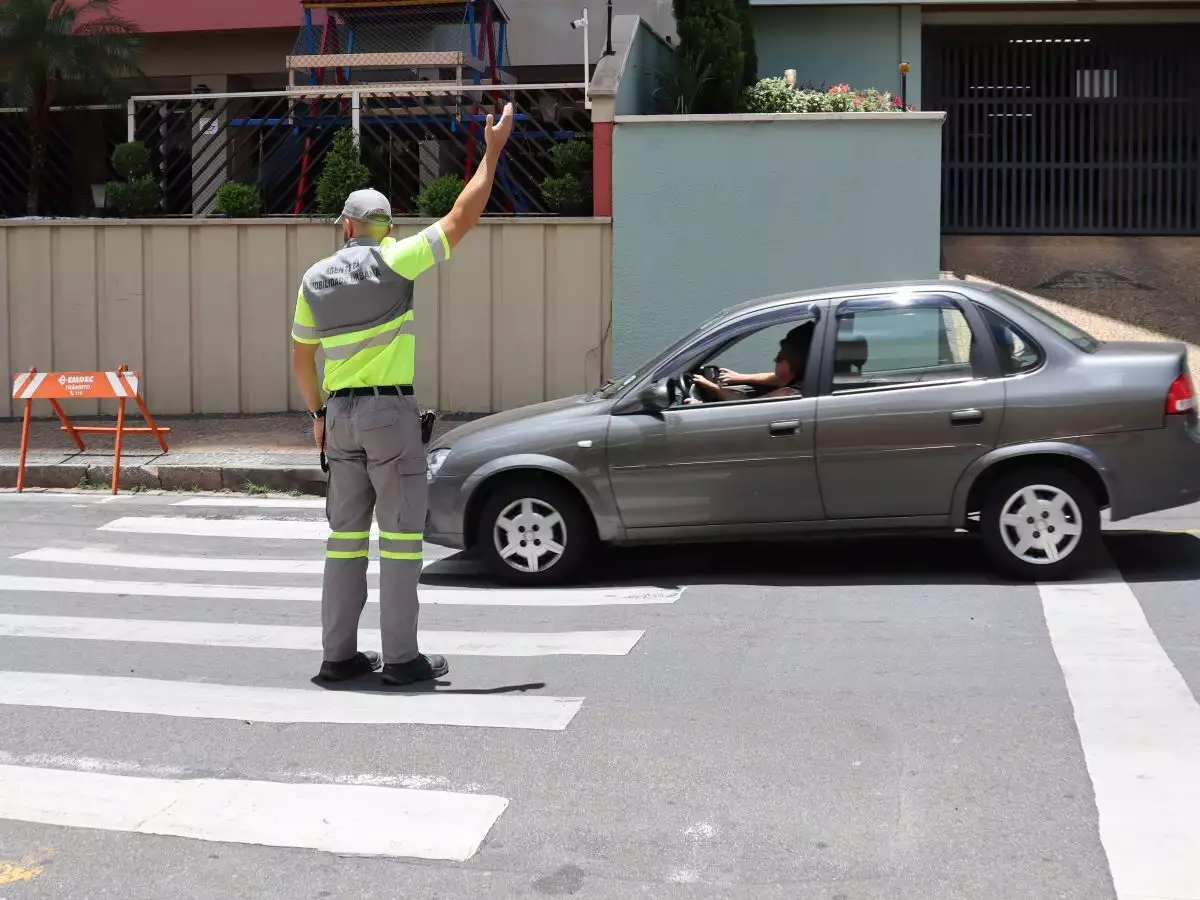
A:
(1065, 129)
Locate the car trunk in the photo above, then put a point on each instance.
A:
(1146, 371)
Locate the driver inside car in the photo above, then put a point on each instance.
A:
(785, 381)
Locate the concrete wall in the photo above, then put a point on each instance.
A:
(204, 309)
(862, 46)
(647, 57)
(709, 211)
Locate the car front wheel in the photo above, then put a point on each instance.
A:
(534, 531)
(1041, 524)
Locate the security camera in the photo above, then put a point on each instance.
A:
(578, 23)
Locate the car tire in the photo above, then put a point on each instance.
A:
(1060, 504)
(552, 513)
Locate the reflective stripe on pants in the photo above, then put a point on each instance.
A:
(376, 463)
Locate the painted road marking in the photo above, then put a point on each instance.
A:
(299, 637)
(631, 596)
(33, 496)
(345, 819)
(245, 528)
(1139, 726)
(196, 700)
(115, 559)
(255, 502)
(212, 770)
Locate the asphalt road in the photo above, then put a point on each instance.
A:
(867, 719)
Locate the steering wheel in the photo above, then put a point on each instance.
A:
(683, 387)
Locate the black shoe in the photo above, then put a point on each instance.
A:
(355, 667)
(422, 668)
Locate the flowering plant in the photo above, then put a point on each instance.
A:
(774, 95)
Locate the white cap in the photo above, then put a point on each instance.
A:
(367, 204)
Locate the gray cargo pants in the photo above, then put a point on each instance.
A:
(376, 460)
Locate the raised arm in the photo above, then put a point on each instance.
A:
(474, 197)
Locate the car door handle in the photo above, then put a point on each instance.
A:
(966, 417)
(781, 429)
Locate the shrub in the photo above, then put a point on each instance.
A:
(774, 95)
(439, 195)
(710, 34)
(139, 194)
(566, 195)
(343, 174)
(131, 160)
(681, 83)
(238, 201)
(568, 191)
(749, 50)
(572, 158)
(134, 198)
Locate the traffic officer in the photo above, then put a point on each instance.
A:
(357, 306)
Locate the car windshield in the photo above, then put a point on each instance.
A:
(614, 386)
(1075, 335)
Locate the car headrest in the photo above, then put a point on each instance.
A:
(851, 351)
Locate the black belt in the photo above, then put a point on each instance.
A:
(391, 390)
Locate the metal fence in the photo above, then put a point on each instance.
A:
(79, 146)
(408, 136)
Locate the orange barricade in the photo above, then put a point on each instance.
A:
(54, 386)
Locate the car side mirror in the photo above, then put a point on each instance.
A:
(654, 397)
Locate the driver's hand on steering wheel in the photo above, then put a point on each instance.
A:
(728, 377)
(703, 382)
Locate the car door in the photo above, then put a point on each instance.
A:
(910, 397)
(723, 465)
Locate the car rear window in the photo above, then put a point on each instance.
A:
(1072, 333)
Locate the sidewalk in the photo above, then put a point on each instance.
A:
(208, 453)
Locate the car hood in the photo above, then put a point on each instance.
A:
(525, 416)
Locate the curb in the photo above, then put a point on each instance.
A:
(304, 479)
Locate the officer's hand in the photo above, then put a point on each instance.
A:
(496, 133)
(319, 433)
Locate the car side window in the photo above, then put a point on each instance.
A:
(755, 352)
(1016, 350)
(894, 345)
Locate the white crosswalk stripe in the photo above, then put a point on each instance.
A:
(418, 816)
(435, 596)
(292, 705)
(350, 819)
(100, 556)
(296, 637)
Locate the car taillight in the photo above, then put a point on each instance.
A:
(1180, 398)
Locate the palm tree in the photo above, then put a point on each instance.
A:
(58, 45)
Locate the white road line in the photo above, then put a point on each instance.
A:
(116, 559)
(255, 502)
(196, 700)
(245, 528)
(158, 770)
(299, 637)
(1139, 726)
(34, 496)
(345, 819)
(632, 596)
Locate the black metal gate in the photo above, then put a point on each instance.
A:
(1067, 129)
